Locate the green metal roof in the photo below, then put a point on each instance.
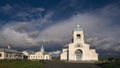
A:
(78, 28)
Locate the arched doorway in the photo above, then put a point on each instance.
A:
(78, 54)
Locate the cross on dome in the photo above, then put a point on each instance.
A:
(78, 28)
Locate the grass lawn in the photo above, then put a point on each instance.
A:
(20, 64)
(111, 65)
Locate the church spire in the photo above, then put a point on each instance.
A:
(42, 49)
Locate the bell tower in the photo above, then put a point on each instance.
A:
(78, 33)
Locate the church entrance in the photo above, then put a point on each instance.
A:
(78, 54)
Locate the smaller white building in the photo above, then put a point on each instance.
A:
(40, 55)
(25, 55)
(9, 53)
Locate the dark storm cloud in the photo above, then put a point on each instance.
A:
(52, 24)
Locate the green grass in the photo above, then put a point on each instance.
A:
(111, 65)
(20, 64)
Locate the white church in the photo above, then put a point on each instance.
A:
(40, 55)
(78, 50)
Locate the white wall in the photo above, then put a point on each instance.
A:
(64, 55)
(6, 55)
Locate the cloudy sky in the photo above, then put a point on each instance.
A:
(27, 24)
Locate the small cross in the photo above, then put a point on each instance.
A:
(78, 25)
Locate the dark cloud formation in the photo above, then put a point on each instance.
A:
(29, 27)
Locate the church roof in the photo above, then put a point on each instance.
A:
(9, 50)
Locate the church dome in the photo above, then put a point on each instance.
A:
(78, 28)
